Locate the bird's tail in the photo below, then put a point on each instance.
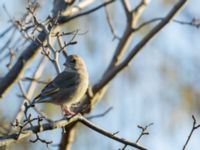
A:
(32, 103)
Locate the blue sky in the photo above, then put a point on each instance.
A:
(149, 90)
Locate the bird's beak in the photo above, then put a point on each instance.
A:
(66, 64)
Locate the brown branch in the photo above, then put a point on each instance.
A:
(127, 7)
(115, 36)
(194, 127)
(12, 56)
(30, 52)
(100, 115)
(68, 137)
(26, 99)
(115, 70)
(22, 62)
(30, 92)
(143, 131)
(108, 134)
(63, 123)
(194, 23)
(34, 80)
(64, 19)
(6, 31)
(36, 129)
(133, 17)
(100, 88)
(8, 42)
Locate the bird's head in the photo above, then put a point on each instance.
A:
(74, 62)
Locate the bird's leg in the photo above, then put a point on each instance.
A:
(67, 112)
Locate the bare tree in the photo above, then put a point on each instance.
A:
(47, 38)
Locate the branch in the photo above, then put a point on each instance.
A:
(30, 52)
(13, 75)
(143, 131)
(127, 7)
(108, 134)
(115, 36)
(115, 70)
(34, 80)
(31, 88)
(64, 123)
(133, 17)
(194, 23)
(98, 90)
(36, 129)
(194, 127)
(100, 115)
(64, 19)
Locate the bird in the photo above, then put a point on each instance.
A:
(68, 87)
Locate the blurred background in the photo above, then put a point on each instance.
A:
(161, 85)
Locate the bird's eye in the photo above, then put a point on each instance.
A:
(73, 61)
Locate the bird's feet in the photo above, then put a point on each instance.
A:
(67, 112)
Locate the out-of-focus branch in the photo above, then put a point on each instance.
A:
(115, 36)
(64, 19)
(194, 23)
(31, 88)
(133, 17)
(94, 94)
(28, 54)
(100, 115)
(115, 70)
(98, 90)
(194, 127)
(18, 68)
(35, 80)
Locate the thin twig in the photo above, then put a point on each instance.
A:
(115, 36)
(143, 131)
(194, 127)
(34, 80)
(194, 23)
(30, 92)
(29, 52)
(100, 115)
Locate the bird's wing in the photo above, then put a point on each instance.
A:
(63, 80)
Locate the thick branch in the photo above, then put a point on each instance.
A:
(115, 70)
(133, 17)
(24, 59)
